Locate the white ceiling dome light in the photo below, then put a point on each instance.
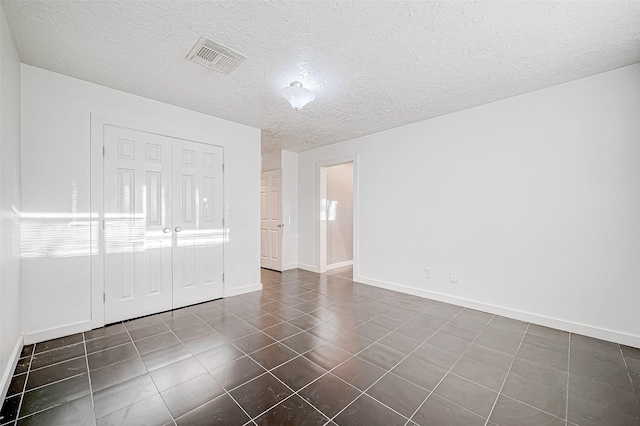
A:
(297, 95)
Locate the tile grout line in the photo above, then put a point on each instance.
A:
(451, 368)
(633, 387)
(407, 356)
(86, 360)
(566, 411)
(24, 388)
(507, 376)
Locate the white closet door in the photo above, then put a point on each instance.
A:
(137, 228)
(198, 226)
(271, 220)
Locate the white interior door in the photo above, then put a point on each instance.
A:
(271, 226)
(137, 227)
(198, 223)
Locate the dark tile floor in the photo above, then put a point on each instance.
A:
(319, 349)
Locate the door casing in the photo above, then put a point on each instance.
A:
(98, 121)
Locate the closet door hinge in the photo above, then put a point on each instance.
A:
(223, 167)
(103, 149)
(104, 297)
(222, 277)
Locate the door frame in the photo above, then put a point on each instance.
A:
(98, 122)
(321, 226)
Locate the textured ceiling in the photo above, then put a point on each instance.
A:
(372, 65)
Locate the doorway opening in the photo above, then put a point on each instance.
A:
(337, 214)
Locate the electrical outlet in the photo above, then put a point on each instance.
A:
(427, 272)
(453, 277)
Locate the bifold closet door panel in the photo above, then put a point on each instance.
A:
(137, 223)
(198, 222)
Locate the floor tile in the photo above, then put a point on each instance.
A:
(509, 412)
(10, 408)
(76, 412)
(599, 394)
(367, 411)
(293, 411)
(381, 356)
(27, 350)
(541, 397)
(439, 411)
(53, 356)
(586, 413)
(371, 331)
(165, 356)
(205, 342)
(466, 394)
(540, 373)
(16, 385)
(56, 372)
(436, 356)
(188, 333)
(420, 373)
(498, 343)
(51, 395)
(590, 342)
(176, 373)
(237, 372)
(358, 373)
(273, 356)
(156, 342)
(104, 331)
(148, 331)
(109, 341)
(221, 411)
(191, 394)
(112, 356)
(298, 372)
(151, 411)
(327, 356)
(303, 342)
(58, 343)
(398, 394)
(351, 342)
(122, 395)
(282, 331)
(260, 394)
(480, 373)
(329, 394)
(253, 342)
(116, 373)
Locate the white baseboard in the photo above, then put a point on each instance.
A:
(339, 265)
(310, 268)
(244, 289)
(289, 266)
(55, 332)
(7, 374)
(560, 324)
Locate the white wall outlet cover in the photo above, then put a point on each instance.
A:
(453, 277)
(427, 272)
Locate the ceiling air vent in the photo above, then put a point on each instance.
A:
(215, 56)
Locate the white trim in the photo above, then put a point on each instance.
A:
(98, 121)
(321, 256)
(560, 324)
(55, 332)
(310, 268)
(7, 374)
(289, 266)
(244, 289)
(339, 265)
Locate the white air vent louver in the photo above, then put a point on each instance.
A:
(215, 56)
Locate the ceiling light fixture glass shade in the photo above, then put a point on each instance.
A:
(297, 95)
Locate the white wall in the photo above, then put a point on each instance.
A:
(289, 164)
(534, 201)
(340, 221)
(272, 161)
(55, 169)
(10, 315)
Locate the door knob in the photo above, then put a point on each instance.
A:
(178, 229)
(166, 230)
